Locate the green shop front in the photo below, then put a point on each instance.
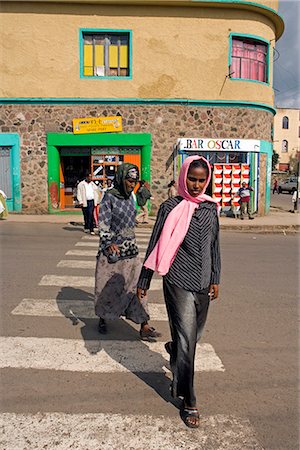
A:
(71, 156)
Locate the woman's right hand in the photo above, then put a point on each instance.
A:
(141, 293)
(113, 248)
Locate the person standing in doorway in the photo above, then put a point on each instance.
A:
(118, 264)
(142, 196)
(88, 198)
(184, 249)
(109, 185)
(244, 194)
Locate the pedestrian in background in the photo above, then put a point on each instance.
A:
(184, 249)
(244, 194)
(295, 201)
(109, 185)
(142, 196)
(88, 198)
(118, 264)
(3, 206)
(172, 192)
(275, 186)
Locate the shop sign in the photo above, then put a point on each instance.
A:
(222, 145)
(97, 125)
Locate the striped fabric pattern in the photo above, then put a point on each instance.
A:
(197, 263)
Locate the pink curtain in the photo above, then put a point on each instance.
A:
(249, 60)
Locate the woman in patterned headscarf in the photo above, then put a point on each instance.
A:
(118, 264)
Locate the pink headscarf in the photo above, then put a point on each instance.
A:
(177, 222)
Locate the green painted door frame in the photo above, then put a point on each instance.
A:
(12, 140)
(56, 140)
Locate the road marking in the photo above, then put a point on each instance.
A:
(80, 281)
(87, 244)
(77, 264)
(65, 281)
(82, 253)
(139, 236)
(91, 253)
(96, 244)
(80, 309)
(110, 431)
(94, 356)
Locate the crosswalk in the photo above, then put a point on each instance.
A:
(104, 356)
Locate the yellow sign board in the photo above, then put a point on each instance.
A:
(97, 125)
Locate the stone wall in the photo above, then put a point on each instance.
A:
(165, 123)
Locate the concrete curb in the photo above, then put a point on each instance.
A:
(279, 226)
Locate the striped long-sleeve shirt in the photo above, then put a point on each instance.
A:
(197, 263)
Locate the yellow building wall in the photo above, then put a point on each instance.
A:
(177, 52)
(292, 134)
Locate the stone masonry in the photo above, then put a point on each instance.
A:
(166, 123)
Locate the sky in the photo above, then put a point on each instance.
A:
(287, 57)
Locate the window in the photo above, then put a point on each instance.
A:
(285, 123)
(285, 146)
(249, 59)
(105, 54)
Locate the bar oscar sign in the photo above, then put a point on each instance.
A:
(111, 124)
(223, 145)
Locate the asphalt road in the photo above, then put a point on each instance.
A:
(282, 201)
(252, 329)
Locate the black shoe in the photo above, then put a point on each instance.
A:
(102, 328)
(150, 334)
(168, 347)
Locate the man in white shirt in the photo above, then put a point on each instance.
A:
(88, 198)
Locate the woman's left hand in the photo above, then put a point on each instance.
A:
(213, 291)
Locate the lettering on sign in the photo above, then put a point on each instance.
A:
(235, 145)
(86, 125)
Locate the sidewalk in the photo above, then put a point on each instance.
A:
(277, 221)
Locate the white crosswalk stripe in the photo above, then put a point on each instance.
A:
(81, 281)
(91, 253)
(96, 244)
(77, 264)
(96, 356)
(111, 431)
(83, 309)
(82, 253)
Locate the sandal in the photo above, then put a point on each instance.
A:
(190, 417)
(102, 328)
(149, 334)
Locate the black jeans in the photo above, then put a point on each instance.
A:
(187, 313)
(88, 214)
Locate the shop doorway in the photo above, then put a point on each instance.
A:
(74, 164)
(71, 156)
(100, 162)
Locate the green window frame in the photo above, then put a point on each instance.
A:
(105, 54)
(255, 41)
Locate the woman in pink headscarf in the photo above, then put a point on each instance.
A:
(184, 249)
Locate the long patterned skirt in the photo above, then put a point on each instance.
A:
(115, 290)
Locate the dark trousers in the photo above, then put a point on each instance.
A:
(187, 313)
(245, 209)
(88, 214)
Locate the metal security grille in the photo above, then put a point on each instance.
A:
(5, 178)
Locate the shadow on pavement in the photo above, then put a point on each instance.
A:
(78, 306)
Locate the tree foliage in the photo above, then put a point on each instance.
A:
(275, 159)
